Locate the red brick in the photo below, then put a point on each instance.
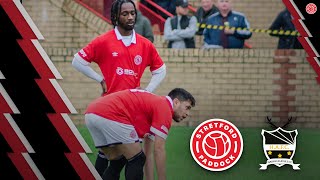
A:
(284, 108)
(281, 60)
(289, 65)
(287, 98)
(280, 103)
(280, 70)
(288, 76)
(285, 52)
(279, 52)
(281, 82)
(288, 87)
(280, 92)
(280, 114)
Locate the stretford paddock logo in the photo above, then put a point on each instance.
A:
(279, 147)
(216, 144)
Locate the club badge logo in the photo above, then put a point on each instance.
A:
(279, 147)
(137, 59)
(311, 8)
(216, 144)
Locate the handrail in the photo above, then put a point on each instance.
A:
(152, 16)
(94, 11)
(191, 8)
(152, 12)
(159, 8)
(246, 45)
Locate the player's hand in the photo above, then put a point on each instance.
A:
(228, 31)
(104, 87)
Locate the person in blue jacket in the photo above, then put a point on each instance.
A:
(229, 36)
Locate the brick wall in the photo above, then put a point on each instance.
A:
(243, 86)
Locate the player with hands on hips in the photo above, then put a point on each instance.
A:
(122, 56)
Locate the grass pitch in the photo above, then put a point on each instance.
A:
(180, 164)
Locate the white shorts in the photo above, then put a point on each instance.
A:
(106, 132)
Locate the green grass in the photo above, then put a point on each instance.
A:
(180, 164)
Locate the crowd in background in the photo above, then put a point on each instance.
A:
(181, 29)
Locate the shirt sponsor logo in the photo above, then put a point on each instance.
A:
(138, 60)
(120, 71)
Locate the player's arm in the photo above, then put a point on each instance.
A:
(157, 76)
(160, 157)
(83, 66)
(148, 150)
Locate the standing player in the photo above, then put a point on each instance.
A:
(122, 56)
(117, 121)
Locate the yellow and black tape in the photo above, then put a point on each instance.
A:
(254, 30)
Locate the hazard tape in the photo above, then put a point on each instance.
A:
(254, 30)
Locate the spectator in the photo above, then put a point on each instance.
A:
(284, 22)
(117, 121)
(229, 37)
(122, 56)
(143, 25)
(207, 9)
(181, 29)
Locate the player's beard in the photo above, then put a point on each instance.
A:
(176, 117)
(126, 27)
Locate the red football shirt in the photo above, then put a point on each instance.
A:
(147, 112)
(122, 67)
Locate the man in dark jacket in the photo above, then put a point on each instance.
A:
(284, 22)
(207, 9)
(181, 29)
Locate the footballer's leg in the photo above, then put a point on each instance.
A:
(101, 163)
(116, 163)
(148, 150)
(136, 160)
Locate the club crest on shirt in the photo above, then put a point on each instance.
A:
(137, 59)
(133, 134)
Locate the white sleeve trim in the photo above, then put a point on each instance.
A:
(159, 70)
(83, 66)
(81, 60)
(159, 133)
(157, 77)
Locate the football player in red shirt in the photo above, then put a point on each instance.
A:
(122, 56)
(117, 121)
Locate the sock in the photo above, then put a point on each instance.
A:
(101, 163)
(114, 169)
(134, 167)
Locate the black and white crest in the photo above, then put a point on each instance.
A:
(279, 147)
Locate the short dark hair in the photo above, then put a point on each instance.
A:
(182, 95)
(116, 8)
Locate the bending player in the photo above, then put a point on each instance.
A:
(117, 121)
